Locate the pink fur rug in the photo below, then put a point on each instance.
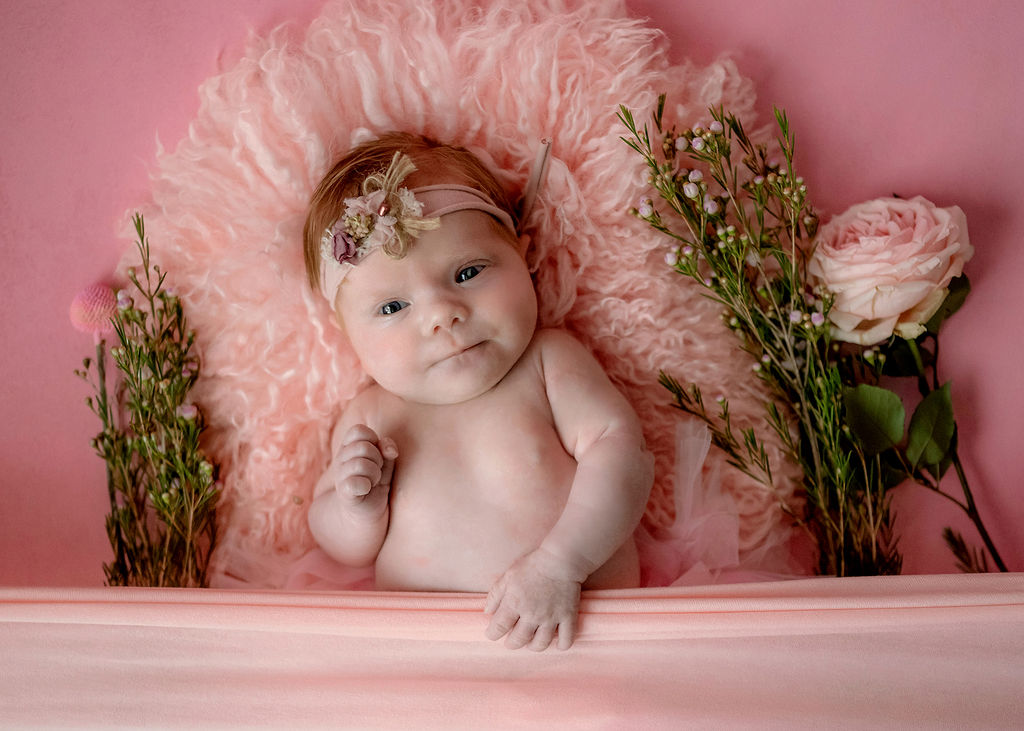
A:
(228, 204)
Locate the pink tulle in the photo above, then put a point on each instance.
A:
(228, 205)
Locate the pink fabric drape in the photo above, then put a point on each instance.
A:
(896, 651)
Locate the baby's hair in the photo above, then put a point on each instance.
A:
(436, 162)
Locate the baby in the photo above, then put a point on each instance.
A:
(487, 455)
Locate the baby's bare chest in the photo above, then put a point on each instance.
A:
(504, 444)
(471, 493)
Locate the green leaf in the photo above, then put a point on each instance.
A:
(875, 415)
(931, 428)
(659, 113)
(959, 288)
(938, 470)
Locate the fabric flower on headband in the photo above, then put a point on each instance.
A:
(384, 216)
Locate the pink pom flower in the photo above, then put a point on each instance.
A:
(888, 263)
(92, 309)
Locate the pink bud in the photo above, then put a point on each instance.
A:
(92, 309)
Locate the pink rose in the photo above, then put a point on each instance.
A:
(888, 263)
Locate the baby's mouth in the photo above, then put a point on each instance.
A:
(458, 352)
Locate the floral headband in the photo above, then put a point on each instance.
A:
(388, 217)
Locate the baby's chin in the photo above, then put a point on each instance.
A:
(459, 378)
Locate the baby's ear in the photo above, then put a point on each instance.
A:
(523, 244)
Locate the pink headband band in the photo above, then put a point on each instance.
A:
(440, 200)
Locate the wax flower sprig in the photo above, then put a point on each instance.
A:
(745, 233)
(162, 489)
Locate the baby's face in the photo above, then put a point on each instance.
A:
(448, 321)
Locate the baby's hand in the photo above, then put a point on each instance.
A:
(533, 601)
(363, 468)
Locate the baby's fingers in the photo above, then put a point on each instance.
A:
(357, 486)
(494, 596)
(521, 635)
(541, 640)
(359, 433)
(503, 620)
(389, 453)
(361, 450)
(359, 476)
(566, 633)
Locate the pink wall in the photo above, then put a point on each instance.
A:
(915, 97)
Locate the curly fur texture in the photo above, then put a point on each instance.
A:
(228, 205)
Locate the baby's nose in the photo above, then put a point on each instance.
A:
(445, 314)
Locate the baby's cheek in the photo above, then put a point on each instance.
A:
(387, 363)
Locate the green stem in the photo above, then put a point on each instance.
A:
(922, 379)
(972, 513)
(104, 405)
(970, 507)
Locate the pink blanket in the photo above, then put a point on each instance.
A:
(922, 651)
(228, 205)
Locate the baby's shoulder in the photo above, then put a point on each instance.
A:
(558, 349)
(555, 342)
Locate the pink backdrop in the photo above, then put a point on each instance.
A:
(915, 97)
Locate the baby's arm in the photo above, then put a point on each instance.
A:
(349, 514)
(613, 480)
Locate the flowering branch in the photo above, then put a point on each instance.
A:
(162, 489)
(745, 227)
(822, 333)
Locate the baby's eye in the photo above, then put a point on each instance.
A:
(468, 273)
(392, 307)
